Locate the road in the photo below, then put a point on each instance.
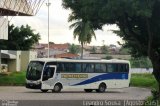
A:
(21, 93)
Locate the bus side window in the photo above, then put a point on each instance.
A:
(123, 67)
(72, 67)
(103, 68)
(69, 67)
(100, 68)
(109, 68)
(60, 67)
(51, 63)
(66, 67)
(126, 67)
(112, 67)
(88, 68)
(97, 68)
(77, 67)
(91, 70)
(83, 67)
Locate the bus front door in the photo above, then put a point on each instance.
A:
(48, 77)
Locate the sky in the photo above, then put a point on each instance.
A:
(59, 26)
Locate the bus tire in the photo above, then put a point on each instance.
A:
(102, 88)
(88, 90)
(57, 88)
(44, 91)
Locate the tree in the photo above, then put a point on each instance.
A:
(19, 38)
(51, 43)
(104, 49)
(84, 31)
(83, 28)
(93, 49)
(141, 62)
(74, 49)
(108, 57)
(138, 21)
(124, 51)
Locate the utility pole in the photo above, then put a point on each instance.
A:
(48, 4)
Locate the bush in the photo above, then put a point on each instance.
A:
(13, 78)
(109, 57)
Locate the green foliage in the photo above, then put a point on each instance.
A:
(143, 80)
(20, 38)
(146, 80)
(104, 49)
(83, 30)
(14, 78)
(109, 57)
(151, 102)
(74, 49)
(140, 62)
(85, 9)
(93, 49)
(124, 51)
(138, 21)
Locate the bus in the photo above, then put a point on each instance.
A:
(57, 74)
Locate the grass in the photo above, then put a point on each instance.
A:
(12, 79)
(144, 80)
(147, 81)
(151, 102)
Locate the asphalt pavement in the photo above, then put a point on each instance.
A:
(72, 97)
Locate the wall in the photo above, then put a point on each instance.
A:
(100, 56)
(18, 61)
(26, 56)
(12, 65)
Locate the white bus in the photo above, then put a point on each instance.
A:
(58, 74)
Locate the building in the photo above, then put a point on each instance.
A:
(16, 60)
(15, 8)
(67, 55)
(42, 49)
(26, 56)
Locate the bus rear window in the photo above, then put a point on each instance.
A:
(123, 67)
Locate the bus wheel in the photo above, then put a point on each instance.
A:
(57, 88)
(44, 90)
(88, 90)
(102, 88)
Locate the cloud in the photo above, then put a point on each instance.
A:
(59, 26)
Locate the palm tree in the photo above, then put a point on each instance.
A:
(84, 31)
(74, 49)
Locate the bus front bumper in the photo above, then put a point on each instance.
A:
(33, 86)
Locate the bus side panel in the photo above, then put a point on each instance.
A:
(112, 80)
(69, 79)
(90, 80)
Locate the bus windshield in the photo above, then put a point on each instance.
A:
(34, 70)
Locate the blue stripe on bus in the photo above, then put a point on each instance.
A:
(101, 77)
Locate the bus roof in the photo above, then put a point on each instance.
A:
(80, 60)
